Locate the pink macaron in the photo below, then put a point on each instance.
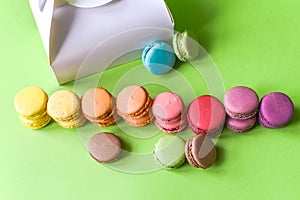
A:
(240, 126)
(168, 110)
(206, 115)
(241, 103)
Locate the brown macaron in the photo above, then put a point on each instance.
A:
(98, 106)
(200, 151)
(105, 147)
(133, 104)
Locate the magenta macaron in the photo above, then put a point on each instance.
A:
(241, 102)
(168, 110)
(206, 115)
(276, 110)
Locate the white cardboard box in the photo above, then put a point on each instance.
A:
(84, 41)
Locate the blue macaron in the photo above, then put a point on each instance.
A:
(158, 57)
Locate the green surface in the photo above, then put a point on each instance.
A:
(253, 43)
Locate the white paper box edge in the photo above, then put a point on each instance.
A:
(118, 49)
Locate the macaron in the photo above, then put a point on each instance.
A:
(64, 107)
(276, 110)
(169, 112)
(134, 105)
(169, 151)
(240, 126)
(241, 102)
(99, 107)
(31, 105)
(158, 57)
(105, 147)
(200, 151)
(185, 47)
(206, 115)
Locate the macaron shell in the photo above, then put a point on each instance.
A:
(170, 151)
(276, 110)
(105, 147)
(63, 105)
(36, 124)
(206, 113)
(200, 151)
(96, 103)
(241, 102)
(173, 127)
(31, 102)
(158, 57)
(131, 99)
(185, 47)
(240, 126)
(167, 106)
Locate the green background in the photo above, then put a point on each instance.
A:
(253, 43)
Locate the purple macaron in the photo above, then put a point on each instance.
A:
(241, 103)
(240, 126)
(276, 110)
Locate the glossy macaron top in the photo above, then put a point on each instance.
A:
(241, 102)
(158, 57)
(96, 102)
(276, 109)
(169, 151)
(105, 147)
(167, 106)
(31, 101)
(63, 104)
(206, 113)
(132, 99)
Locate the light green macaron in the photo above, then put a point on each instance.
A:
(169, 151)
(185, 46)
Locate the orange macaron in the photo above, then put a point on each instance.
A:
(99, 107)
(133, 104)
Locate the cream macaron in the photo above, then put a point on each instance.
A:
(64, 107)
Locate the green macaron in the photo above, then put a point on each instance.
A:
(169, 151)
(185, 46)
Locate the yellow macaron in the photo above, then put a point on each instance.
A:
(31, 105)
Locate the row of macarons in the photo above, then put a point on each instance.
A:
(205, 114)
(170, 151)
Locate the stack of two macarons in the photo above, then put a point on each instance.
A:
(134, 106)
(241, 104)
(169, 112)
(206, 115)
(31, 105)
(99, 107)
